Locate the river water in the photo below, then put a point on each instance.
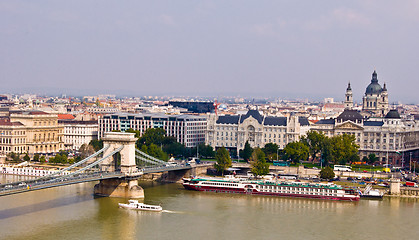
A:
(72, 212)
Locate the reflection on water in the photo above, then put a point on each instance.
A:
(72, 212)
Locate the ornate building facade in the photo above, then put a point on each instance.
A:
(375, 100)
(31, 132)
(390, 138)
(232, 131)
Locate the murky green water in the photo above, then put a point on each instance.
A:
(71, 212)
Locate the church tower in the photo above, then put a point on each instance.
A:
(349, 102)
(384, 101)
(375, 100)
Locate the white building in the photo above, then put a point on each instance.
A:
(390, 138)
(77, 133)
(232, 131)
(187, 129)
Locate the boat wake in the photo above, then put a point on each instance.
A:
(168, 211)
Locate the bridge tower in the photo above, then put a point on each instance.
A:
(116, 140)
(119, 187)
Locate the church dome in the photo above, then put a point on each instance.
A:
(393, 114)
(374, 87)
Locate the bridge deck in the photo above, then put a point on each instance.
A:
(62, 180)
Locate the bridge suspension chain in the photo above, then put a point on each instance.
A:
(94, 163)
(150, 161)
(150, 157)
(77, 163)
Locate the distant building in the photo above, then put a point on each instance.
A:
(187, 129)
(30, 132)
(232, 131)
(194, 107)
(375, 99)
(385, 137)
(77, 133)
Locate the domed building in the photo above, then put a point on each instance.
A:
(375, 100)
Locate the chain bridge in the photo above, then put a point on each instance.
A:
(117, 166)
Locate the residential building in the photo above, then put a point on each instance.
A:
(77, 133)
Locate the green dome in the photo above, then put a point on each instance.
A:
(393, 114)
(374, 87)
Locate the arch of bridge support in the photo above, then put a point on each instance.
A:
(115, 140)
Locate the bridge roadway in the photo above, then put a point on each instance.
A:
(62, 180)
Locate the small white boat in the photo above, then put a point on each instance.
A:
(369, 192)
(134, 204)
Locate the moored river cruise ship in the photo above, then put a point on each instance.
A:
(327, 191)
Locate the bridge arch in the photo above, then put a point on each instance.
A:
(116, 140)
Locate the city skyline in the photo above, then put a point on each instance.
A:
(208, 48)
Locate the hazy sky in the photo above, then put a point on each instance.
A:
(249, 48)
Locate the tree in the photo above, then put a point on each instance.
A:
(152, 135)
(87, 150)
(365, 159)
(354, 158)
(326, 152)
(137, 133)
(296, 151)
(372, 158)
(258, 163)
(154, 151)
(14, 156)
(246, 153)
(206, 150)
(77, 159)
(97, 144)
(315, 142)
(343, 147)
(175, 149)
(42, 159)
(327, 173)
(26, 157)
(223, 160)
(36, 157)
(270, 150)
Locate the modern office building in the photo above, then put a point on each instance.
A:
(187, 129)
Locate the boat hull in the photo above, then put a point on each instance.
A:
(127, 206)
(254, 192)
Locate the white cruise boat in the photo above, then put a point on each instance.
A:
(134, 204)
(327, 191)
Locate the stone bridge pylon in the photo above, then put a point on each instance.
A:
(126, 163)
(123, 161)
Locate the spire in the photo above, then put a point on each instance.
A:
(384, 87)
(374, 77)
(349, 87)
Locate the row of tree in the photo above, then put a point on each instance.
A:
(257, 160)
(340, 149)
(156, 143)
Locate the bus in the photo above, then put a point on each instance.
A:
(281, 163)
(342, 168)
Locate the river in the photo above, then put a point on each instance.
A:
(72, 212)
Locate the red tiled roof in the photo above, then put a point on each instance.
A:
(6, 122)
(66, 116)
